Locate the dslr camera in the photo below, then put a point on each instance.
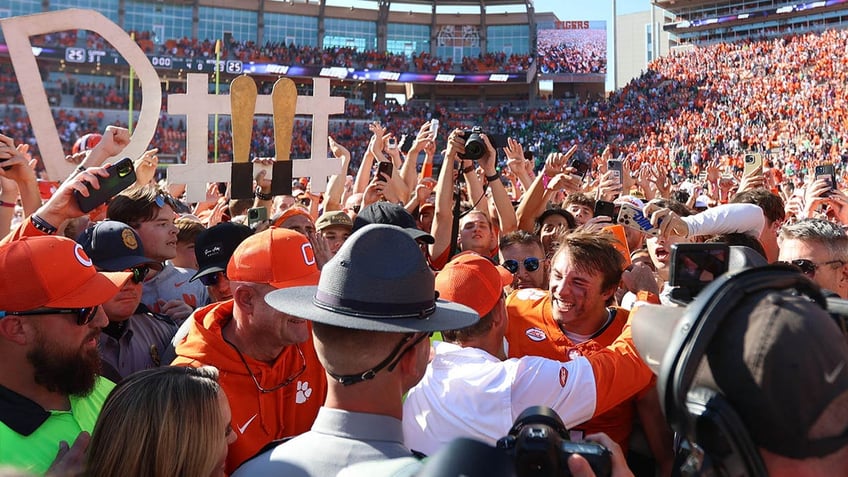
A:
(539, 445)
(475, 147)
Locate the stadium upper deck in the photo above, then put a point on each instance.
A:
(706, 21)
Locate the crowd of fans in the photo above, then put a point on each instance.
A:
(573, 51)
(305, 55)
(784, 97)
(302, 319)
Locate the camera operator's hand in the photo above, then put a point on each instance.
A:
(456, 146)
(488, 160)
(579, 466)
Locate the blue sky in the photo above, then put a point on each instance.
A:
(590, 9)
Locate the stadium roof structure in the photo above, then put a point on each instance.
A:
(676, 6)
(461, 3)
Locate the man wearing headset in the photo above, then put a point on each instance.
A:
(757, 356)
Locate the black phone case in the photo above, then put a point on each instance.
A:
(109, 186)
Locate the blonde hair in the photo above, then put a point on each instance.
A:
(160, 421)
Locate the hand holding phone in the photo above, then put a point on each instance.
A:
(256, 215)
(604, 208)
(633, 218)
(616, 167)
(384, 167)
(121, 176)
(753, 162)
(826, 172)
(434, 127)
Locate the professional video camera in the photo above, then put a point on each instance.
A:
(539, 444)
(475, 148)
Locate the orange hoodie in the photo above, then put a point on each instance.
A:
(258, 418)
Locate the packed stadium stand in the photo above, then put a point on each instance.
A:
(783, 95)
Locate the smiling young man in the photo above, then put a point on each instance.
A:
(269, 369)
(574, 318)
(50, 322)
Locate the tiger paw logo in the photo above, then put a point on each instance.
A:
(303, 392)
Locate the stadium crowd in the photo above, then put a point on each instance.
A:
(572, 51)
(304, 55)
(158, 336)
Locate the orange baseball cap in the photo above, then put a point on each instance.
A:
(473, 280)
(279, 257)
(291, 212)
(52, 272)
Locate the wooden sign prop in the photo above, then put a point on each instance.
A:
(196, 104)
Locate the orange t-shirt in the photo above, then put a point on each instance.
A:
(532, 331)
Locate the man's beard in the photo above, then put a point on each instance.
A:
(71, 372)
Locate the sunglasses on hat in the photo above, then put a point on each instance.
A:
(809, 267)
(84, 315)
(531, 264)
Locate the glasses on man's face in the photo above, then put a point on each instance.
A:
(83, 315)
(139, 273)
(531, 264)
(809, 267)
(212, 279)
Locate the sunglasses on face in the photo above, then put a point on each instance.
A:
(212, 279)
(84, 315)
(809, 267)
(139, 273)
(531, 264)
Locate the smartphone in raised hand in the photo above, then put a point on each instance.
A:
(384, 167)
(633, 218)
(752, 162)
(121, 176)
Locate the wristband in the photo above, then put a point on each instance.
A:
(42, 225)
(494, 177)
(468, 169)
(10, 205)
(545, 181)
(262, 196)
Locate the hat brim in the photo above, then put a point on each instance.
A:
(653, 327)
(209, 271)
(308, 280)
(298, 302)
(120, 264)
(97, 290)
(419, 234)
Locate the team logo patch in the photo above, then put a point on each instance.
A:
(563, 376)
(530, 294)
(535, 334)
(81, 257)
(574, 353)
(129, 239)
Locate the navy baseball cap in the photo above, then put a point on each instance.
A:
(114, 246)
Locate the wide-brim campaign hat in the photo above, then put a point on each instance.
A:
(379, 281)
